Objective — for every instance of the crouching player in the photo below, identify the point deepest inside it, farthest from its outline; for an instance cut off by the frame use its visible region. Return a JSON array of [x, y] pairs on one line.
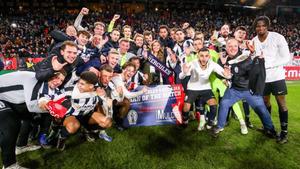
[[84, 100]]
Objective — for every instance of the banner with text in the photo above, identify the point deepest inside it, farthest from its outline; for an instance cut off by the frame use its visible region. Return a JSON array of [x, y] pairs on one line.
[[156, 106], [292, 72]]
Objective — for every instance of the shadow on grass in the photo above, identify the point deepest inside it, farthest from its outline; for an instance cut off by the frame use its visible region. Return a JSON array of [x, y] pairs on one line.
[[173, 139]]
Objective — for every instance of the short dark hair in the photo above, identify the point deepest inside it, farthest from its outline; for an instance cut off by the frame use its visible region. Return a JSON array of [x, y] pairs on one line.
[[173, 29], [179, 29], [198, 39], [147, 33], [243, 28], [265, 19], [67, 43], [107, 68], [56, 74], [164, 27], [115, 29], [128, 64], [204, 49], [85, 33], [134, 58], [89, 77]]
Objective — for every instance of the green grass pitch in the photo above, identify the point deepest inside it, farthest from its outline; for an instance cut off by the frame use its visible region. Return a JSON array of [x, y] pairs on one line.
[[166, 147]]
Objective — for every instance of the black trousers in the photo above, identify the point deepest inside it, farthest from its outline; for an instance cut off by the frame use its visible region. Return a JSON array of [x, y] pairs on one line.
[[10, 122]]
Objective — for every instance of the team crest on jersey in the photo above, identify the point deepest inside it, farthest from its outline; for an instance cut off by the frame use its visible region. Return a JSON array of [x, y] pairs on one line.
[[132, 117], [236, 70]]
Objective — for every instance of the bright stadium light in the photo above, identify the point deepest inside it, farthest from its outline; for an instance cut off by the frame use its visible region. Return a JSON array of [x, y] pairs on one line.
[[14, 25]]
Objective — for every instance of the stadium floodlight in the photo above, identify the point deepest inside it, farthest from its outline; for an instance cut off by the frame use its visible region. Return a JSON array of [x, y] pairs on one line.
[[251, 7], [14, 25], [241, 6]]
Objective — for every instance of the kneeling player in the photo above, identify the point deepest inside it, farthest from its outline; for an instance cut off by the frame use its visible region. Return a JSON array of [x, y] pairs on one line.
[[84, 100]]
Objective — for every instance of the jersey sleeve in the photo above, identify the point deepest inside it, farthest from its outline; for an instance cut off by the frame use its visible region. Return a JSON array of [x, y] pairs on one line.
[[284, 52], [218, 69]]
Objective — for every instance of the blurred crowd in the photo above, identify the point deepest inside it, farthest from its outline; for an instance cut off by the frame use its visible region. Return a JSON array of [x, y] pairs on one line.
[[26, 34]]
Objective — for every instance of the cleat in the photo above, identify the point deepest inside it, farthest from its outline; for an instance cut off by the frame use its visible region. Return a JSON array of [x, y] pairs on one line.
[[103, 135], [282, 138], [244, 129], [23, 149]]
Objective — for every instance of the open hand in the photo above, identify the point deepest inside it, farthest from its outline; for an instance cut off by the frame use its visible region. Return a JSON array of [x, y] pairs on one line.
[[56, 65]]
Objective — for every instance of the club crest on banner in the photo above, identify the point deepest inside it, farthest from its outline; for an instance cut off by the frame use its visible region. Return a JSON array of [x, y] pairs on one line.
[[132, 117], [161, 105]]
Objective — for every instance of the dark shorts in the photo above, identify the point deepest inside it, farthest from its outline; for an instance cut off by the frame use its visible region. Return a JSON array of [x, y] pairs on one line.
[[276, 88], [193, 95], [83, 120]]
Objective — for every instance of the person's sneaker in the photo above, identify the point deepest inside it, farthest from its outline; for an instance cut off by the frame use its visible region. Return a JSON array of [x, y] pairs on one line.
[[14, 166], [282, 138], [270, 133], [201, 126], [244, 129], [217, 130], [29, 147], [249, 125], [103, 135], [215, 122], [61, 143], [202, 122], [43, 139], [209, 127], [88, 135], [261, 129]]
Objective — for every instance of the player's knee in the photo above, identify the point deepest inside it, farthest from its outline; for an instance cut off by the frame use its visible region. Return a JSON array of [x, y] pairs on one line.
[[225, 103], [212, 102], [106, 123], [72, 127]]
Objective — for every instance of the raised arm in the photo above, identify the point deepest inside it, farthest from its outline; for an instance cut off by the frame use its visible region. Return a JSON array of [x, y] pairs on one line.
[[112, 23], [77, 23]]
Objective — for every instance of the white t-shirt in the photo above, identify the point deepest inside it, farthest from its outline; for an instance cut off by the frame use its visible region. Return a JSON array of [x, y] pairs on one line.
[[199, 79], [17, 88], [276, 53], [118, 81]]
